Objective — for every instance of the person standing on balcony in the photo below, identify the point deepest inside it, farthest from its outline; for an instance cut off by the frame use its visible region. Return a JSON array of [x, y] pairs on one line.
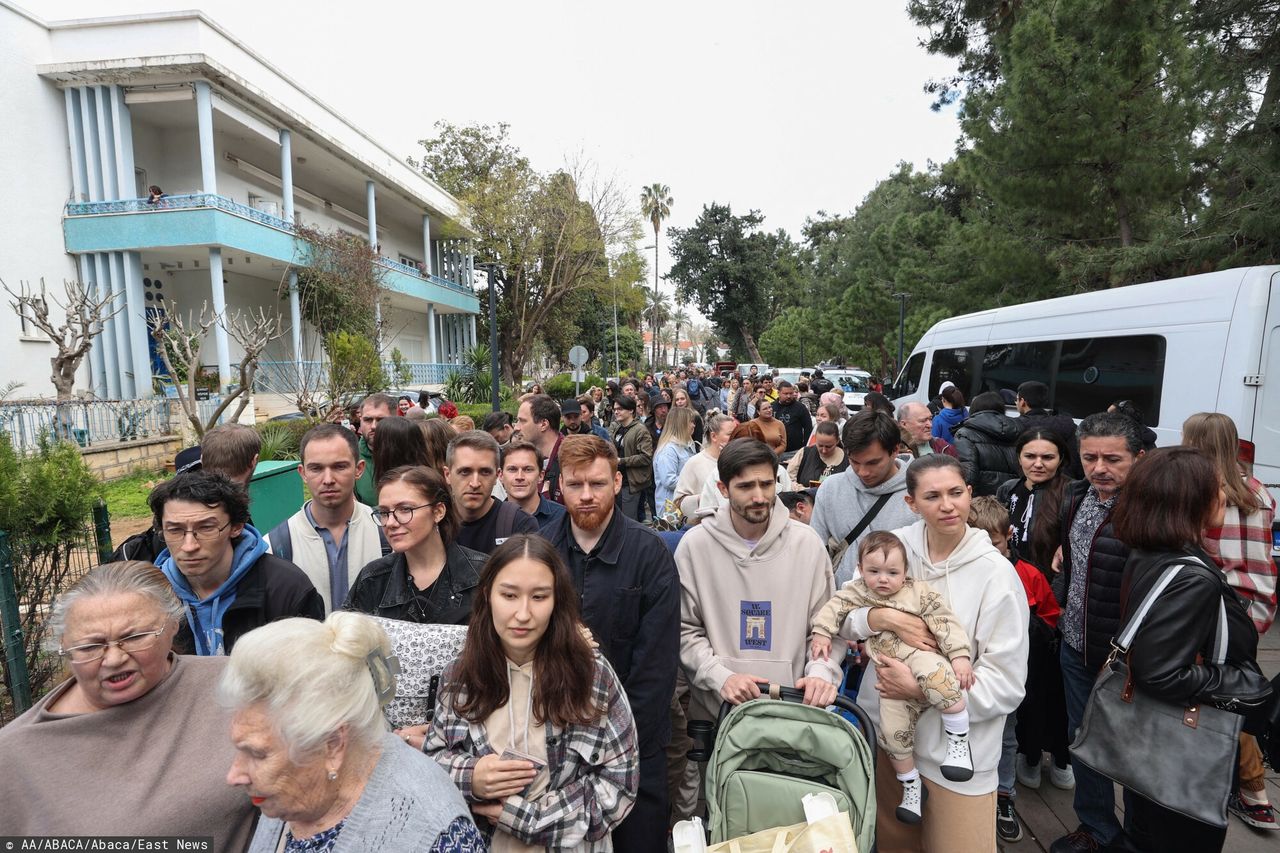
[[373, 409], [332, 532], [154, 194], [538, 422]]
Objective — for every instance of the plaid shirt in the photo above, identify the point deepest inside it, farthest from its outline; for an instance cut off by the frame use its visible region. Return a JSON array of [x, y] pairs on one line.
[[1242, 549], [595, 770]]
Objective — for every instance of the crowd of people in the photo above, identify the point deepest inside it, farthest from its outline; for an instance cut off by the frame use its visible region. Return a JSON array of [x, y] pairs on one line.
[[624, 562]]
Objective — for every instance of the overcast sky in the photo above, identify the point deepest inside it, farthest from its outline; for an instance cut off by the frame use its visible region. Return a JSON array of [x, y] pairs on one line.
[[790, 109]]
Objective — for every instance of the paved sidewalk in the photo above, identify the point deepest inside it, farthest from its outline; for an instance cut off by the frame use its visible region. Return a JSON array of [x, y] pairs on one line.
[[1047, 815]]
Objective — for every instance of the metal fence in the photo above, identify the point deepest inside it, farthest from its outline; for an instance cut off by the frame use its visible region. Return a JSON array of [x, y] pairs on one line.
[[85, 422], [35, 568], [281, 377]]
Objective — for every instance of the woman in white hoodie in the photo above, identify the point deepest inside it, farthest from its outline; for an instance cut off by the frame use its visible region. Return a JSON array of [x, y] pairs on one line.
[[987, 598]]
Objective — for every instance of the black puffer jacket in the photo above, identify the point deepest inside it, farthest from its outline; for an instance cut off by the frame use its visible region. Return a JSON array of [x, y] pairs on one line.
[[984, 442], [1102, 587], [1181, 625]]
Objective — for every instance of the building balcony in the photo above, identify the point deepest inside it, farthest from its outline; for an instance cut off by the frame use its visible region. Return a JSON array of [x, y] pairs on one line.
[[204, 219]]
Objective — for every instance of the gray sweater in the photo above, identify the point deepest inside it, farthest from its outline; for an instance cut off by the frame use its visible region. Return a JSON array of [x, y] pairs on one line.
[[842, 502], [408, 801]]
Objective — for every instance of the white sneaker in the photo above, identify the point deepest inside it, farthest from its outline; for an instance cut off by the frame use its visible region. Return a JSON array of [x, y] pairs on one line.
[[958, 765], [911, 809], [1062, 777], [1028, 773]]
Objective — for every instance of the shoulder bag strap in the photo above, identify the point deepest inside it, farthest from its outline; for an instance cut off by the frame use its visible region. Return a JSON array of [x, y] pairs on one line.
[[1125, 640], [867, 519]]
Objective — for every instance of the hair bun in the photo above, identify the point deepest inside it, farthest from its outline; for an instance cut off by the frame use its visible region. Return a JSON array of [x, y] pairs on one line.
[[355, 634]]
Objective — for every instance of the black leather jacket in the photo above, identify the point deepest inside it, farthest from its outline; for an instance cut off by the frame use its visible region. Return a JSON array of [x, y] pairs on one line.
[[383, 587], [1181, 625]]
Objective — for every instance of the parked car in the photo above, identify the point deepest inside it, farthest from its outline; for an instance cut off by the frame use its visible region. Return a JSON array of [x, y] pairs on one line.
[[854, 384]]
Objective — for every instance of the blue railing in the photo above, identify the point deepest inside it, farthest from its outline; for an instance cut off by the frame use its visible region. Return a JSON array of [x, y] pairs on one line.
[[88, 423], [210, 201], [281, 377], [189, 201]]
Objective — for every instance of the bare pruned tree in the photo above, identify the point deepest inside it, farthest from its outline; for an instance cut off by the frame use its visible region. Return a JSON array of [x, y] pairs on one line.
[[181, 344], [85, 311]]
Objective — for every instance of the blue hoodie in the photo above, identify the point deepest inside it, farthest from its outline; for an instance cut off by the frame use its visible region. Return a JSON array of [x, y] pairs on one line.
[[204, 616], [946, 420]]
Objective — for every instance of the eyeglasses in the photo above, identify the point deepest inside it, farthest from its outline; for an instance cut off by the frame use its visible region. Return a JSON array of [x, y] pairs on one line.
[[203, 532], [90, 652], [403, 514]]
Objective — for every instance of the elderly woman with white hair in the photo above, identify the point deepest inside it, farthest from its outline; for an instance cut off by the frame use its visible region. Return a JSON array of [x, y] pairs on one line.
[[313, 751], [131, 744]]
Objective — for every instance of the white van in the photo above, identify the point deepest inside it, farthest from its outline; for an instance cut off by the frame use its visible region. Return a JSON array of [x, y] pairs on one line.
[[1205, 343]]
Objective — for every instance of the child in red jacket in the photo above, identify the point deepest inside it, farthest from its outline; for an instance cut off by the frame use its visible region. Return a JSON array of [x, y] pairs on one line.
[[1040, 724]]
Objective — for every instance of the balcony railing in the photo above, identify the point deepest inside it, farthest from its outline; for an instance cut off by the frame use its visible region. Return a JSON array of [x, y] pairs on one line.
[[281, 377], [88, 423], [189, 201], [210, 201]]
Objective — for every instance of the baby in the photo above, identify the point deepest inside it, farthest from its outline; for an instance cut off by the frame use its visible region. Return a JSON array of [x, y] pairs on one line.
[[882, 562]]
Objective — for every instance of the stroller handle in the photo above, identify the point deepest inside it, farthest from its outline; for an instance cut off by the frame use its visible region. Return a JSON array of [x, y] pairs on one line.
[[785, 694]]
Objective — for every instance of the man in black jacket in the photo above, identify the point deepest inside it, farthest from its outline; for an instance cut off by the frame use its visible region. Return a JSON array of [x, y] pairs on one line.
[[631, 602], [794, 415], [219, 567], [1091, 562]]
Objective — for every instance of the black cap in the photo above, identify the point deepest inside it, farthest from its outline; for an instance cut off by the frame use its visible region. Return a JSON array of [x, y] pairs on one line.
[[656, 399], [188, 459], [570, 407]]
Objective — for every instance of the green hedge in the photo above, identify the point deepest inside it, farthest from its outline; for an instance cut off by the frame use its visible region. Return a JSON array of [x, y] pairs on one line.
[[561, 385], [477, 411]]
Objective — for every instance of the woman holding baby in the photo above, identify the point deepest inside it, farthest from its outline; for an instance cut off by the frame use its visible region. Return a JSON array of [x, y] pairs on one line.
[[984, 599]]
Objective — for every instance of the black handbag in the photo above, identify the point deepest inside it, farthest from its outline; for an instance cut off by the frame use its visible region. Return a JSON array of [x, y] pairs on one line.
[[1179, 756]]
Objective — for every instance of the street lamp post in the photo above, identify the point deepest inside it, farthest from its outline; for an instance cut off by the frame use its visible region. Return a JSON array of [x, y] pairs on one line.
[[654, 318], [492, 274], [902, 322], [617, 369]]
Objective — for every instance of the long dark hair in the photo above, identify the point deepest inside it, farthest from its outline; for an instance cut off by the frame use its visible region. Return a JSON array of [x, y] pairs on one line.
[[563, 665], [399, 442], [1046, 525]]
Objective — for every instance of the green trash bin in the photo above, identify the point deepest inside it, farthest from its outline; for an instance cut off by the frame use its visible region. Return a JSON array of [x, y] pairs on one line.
[[275, 493]]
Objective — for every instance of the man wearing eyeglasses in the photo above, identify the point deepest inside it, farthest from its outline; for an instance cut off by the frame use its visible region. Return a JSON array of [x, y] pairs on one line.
[[219, 567]]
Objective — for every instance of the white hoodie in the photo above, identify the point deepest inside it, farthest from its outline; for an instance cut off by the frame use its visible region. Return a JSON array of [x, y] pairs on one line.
[[988, 599], [748, 609]]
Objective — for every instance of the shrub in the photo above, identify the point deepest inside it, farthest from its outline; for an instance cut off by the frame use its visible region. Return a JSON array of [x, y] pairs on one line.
[[281, 439], [46, 505], [561, 385]]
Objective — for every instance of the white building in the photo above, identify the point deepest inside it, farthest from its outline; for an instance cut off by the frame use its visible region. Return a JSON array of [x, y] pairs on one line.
[[100, 109]]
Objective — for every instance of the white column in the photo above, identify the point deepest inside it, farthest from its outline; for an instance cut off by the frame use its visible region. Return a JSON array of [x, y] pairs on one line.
[[432, 355], [122, 125], [426, 243], [111, 362], [295, 318], [135, 316], [286, 174], [220, 328], [97, 363], [208, 166], [75, 139], [115, 262], [106, 142], [92, 161], [472, 324]]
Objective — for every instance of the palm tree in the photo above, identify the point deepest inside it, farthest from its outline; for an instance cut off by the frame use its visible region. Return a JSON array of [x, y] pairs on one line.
[[681, 318], [655, 204], [657, 311]]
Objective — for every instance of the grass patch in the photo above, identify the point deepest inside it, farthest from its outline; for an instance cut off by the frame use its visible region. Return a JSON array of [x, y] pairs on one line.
[[127, 497]]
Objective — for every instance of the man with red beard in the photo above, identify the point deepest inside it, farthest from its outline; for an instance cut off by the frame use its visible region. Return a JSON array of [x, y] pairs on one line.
[[631, 602]]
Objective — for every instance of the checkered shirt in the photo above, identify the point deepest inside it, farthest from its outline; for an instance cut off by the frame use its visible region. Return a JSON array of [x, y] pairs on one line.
[[1242, 549], [595, 770]]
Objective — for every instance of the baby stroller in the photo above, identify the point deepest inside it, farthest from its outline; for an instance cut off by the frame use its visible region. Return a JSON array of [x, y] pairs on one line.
[[769, 754]]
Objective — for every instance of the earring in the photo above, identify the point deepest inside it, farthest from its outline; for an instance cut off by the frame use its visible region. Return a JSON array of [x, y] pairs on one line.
[[333, 775]]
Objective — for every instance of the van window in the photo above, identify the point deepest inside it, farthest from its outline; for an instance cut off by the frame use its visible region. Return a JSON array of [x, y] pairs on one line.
[[956, 366], [909, 379], [1006, 366], [1093, 373]]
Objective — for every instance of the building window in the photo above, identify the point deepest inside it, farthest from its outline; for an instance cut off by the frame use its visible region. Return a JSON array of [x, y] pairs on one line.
[[27, 318]]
